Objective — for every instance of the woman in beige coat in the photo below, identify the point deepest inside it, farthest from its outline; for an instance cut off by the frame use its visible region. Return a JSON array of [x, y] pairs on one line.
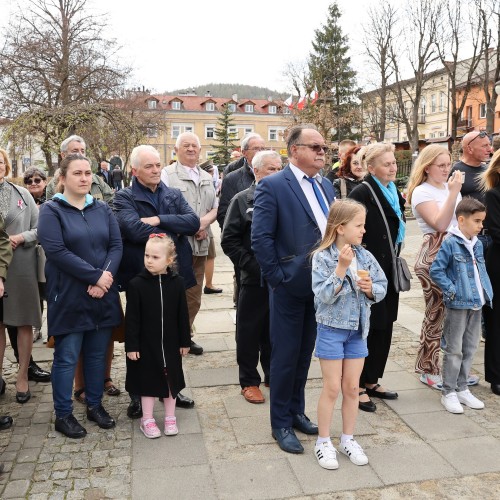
[[21, 304]]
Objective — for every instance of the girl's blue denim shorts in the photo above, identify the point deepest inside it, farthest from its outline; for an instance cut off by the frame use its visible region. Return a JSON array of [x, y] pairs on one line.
[[337, 343]]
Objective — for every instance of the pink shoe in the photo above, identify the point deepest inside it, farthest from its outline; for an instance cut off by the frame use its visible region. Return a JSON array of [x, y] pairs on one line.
[[171, 426], [149, 428]]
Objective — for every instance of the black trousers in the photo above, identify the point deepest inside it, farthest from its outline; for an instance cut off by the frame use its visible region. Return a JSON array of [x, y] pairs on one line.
[[252, 334], [379, 345]]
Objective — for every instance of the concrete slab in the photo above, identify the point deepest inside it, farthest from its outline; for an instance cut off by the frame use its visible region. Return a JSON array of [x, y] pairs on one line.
[[255, 479], [237, 407], [416, 401], [211, 377], [471, 455], [392, 366], [397, 464], [169, 451], [174, 482], [212, 344], [316, 480], [401, 381], [410, 318], [213, 322], [442, 426], [187, 420], [314, 370]]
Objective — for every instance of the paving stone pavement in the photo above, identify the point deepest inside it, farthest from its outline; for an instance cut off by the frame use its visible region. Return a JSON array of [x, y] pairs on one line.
[[224, 449]]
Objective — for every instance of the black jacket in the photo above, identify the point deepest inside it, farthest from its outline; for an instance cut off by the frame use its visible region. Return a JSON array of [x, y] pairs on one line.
[[377, 242], [234, 165], [350, 184], [149, 298], [109, 180], [234, 183], [236, 237]]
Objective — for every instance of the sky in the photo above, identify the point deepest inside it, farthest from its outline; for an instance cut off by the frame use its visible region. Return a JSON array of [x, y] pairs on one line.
[[176, 45]]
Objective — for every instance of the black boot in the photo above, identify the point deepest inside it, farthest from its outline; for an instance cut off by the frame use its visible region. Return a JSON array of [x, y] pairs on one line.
[[100, 416], [134, 409]]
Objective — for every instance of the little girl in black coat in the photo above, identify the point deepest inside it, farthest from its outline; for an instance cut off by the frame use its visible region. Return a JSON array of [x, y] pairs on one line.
[[157, 334]]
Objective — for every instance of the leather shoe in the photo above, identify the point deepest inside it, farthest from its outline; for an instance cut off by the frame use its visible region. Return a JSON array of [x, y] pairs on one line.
[[368, 406], [100, 416], [182, 401], [253, 395], [303, 424], [5, 422], [373, 393], [495, 389], [287, 440], [70, 427], [36, 374], [211, 290], [23, 397], [195, 348], [134, 409]]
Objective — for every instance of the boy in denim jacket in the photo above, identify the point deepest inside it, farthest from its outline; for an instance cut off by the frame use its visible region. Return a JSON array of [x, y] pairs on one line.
[[459, 270]]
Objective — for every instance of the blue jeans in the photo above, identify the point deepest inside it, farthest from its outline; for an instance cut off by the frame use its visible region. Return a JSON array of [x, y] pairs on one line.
[[93, 345], [462, 328]]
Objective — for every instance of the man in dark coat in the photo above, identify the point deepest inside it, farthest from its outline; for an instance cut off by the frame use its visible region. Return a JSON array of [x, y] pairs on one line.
[[290, 213], [144, 208], [252, 318], [105, 174]]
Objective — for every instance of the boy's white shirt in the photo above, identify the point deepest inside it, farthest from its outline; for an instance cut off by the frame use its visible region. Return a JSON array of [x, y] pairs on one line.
[[469, 244]]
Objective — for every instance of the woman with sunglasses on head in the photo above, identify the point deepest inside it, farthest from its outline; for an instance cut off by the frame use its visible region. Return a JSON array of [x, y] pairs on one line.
[[21, 304], [83, 246], [350, 173], [433, 200], [380, 162]]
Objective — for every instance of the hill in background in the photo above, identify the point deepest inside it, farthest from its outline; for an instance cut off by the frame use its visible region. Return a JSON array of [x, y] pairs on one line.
[[228, 89]]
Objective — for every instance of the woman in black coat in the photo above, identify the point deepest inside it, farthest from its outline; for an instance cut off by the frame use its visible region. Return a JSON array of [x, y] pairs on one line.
[[157, 334], [381, 164], [492, 316], [351, 173]]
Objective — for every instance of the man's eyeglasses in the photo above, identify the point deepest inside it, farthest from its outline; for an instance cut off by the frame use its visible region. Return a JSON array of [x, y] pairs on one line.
[[157, 235], [317, 148], [482, 134], [36, 181]]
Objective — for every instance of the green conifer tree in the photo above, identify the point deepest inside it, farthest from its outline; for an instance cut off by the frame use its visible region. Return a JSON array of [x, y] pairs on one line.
[[225, 141]]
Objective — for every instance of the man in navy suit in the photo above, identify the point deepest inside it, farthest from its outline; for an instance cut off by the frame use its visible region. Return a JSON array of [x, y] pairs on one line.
[[290, 213]]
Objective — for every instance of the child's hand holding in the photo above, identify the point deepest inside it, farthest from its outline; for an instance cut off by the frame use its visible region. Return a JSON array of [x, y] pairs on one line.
[[184, 351], [345, 256], [134, 356], [365, 285]]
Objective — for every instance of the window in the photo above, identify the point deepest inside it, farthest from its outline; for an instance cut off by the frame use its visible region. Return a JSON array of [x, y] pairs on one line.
[[210, 106], [272, 110], [433, 135], [179, 128], [441, 101], [248, 108], [482, 110], [151, 104], [433, 103], [248, 130], [232, 107], [176, 105], [152, 131], [210, 154], [233, 132], [273, 134], [209, 131], [441, 134]]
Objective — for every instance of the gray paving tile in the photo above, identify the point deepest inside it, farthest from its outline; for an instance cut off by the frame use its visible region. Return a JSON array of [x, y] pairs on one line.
[[237, 406], [16, 489], [410, 318], [315, 480], [255, 479], [211, 377], [400, 381], [213, 344], [194, 481], [442, 426], [213, 321], [416, 401], [169, 451], [418, 462], [471, 455], [187, 419]]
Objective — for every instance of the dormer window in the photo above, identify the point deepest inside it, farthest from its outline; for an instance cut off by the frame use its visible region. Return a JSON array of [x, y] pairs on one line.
[[176, 105], [151, 104], [248, 108], [272, 109], [232, 107], [210, 106]]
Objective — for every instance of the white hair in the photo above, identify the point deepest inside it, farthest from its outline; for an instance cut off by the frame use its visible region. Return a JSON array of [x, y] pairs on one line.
[[247, 139], [259, 159], [71, 138], [137, 152], [181, 137]]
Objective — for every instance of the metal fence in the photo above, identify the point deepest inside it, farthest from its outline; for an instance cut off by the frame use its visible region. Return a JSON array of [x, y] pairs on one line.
[[404, 168]]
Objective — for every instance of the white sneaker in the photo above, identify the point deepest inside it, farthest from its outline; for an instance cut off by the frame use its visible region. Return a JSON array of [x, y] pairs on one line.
[[468, 399], [434, 381], [472, 380], [355, 453], [451, 403], [326, 455]]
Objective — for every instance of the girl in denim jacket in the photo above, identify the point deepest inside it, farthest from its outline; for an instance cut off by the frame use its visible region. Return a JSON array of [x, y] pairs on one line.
[[346, 280]]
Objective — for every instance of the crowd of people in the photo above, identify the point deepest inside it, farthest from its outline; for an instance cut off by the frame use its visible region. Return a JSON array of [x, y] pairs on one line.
[[314, 265]]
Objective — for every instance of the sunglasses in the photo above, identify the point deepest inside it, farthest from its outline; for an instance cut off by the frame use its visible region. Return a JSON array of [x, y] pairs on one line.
[[316, 147], [157, 235], [482, 134], [29, 182]]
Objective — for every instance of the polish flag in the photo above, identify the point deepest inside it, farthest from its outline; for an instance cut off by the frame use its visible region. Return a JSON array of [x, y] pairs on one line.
[[289, 102], [302, 102], [313, 96]]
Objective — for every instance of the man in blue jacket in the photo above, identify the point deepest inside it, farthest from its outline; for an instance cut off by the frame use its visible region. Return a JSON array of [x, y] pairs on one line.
[[146, 207]]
